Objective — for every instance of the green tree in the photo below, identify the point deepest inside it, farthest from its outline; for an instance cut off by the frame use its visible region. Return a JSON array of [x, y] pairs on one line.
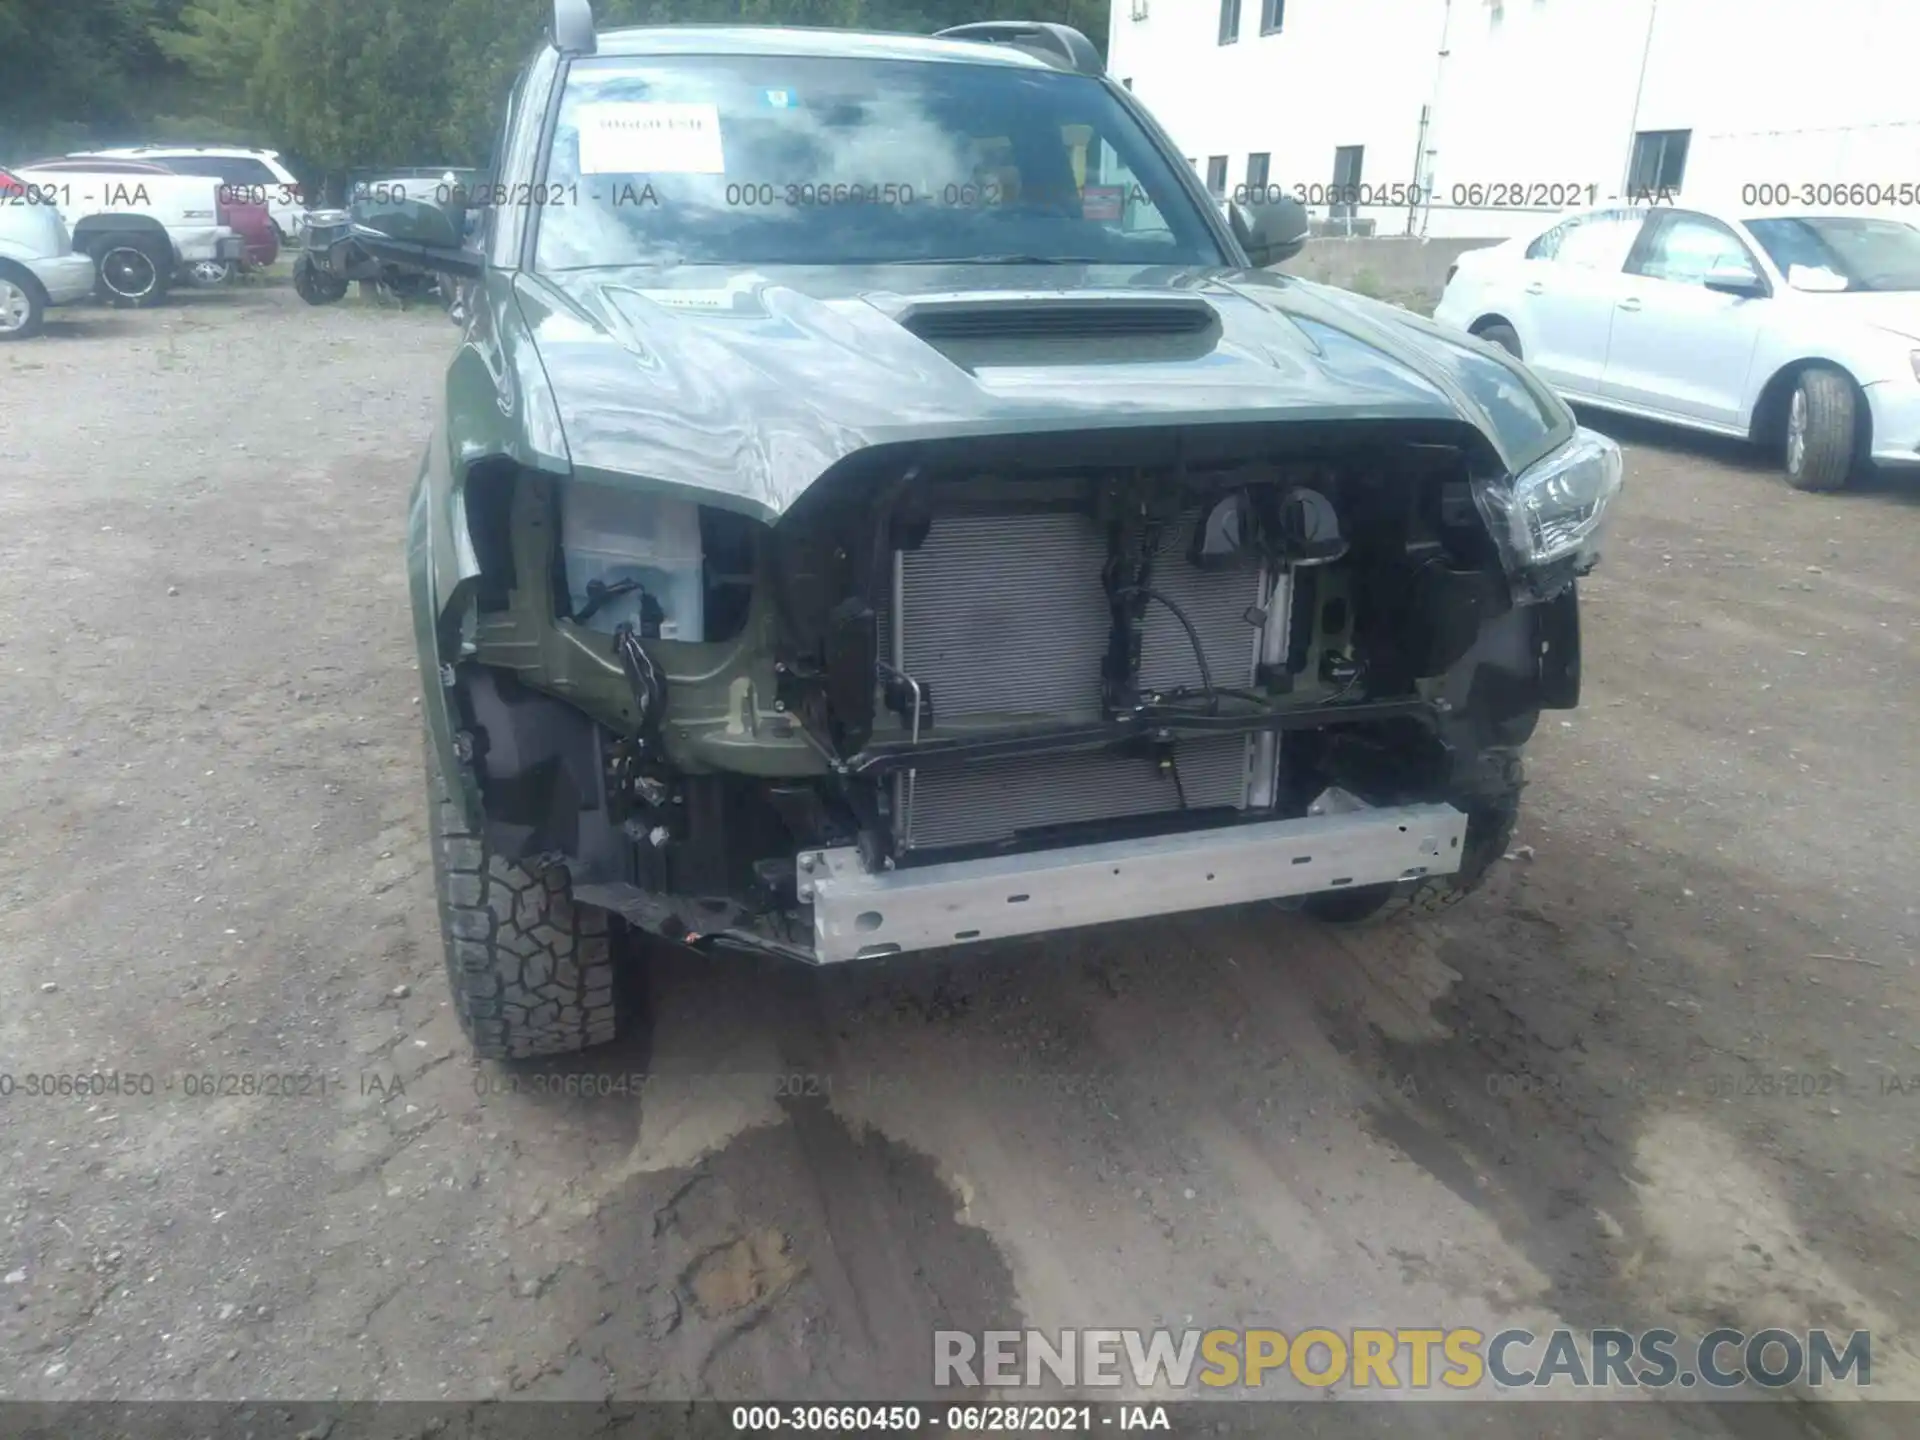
[[73, 63]]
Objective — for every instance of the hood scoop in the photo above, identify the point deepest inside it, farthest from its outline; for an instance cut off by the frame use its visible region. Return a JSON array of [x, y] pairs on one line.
[[1062, 317]]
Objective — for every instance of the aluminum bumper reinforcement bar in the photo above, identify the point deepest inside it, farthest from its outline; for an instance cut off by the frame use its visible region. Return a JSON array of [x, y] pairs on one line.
[[858, 915]]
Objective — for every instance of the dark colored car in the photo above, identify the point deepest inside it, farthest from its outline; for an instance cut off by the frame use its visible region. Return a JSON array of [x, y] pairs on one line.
[[431, 205], [882, 503]]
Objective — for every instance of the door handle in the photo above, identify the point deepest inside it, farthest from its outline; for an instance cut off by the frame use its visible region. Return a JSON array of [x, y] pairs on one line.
[[1536, 288], [1633, 304]]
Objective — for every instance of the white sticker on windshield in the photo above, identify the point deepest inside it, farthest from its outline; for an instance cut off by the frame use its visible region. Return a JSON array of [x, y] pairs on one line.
[[638, 137]]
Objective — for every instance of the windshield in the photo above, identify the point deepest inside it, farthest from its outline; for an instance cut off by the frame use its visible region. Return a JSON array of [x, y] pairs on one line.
[[1864, 254], [767, 159]]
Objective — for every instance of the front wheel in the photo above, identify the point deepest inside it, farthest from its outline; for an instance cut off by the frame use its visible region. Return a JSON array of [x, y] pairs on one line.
[[1822, 425], [1491, 818], [315, 287], [531, 972]]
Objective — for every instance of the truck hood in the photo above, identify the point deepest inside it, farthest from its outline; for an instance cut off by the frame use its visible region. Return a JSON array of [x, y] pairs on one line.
[[747, 386]]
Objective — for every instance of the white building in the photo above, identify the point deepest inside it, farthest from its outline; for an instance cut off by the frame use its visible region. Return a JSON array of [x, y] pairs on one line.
[[1494, 110]]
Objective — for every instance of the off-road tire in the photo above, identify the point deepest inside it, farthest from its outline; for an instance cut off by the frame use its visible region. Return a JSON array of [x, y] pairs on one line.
[[157, 254], [531, 973], [1826, 460], [315, 288], [1502, 335], [1490, 824]]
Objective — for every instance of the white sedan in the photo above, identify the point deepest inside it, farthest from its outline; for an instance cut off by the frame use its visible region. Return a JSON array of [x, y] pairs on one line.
[[1797, 331]]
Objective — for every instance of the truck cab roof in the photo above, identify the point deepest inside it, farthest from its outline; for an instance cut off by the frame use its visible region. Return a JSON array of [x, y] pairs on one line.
[[648, 40]]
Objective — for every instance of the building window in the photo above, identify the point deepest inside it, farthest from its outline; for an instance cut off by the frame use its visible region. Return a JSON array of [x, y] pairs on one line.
[[1229, 21], [1659, 161], [1217, 174], [1272, 14], [1257, 175]]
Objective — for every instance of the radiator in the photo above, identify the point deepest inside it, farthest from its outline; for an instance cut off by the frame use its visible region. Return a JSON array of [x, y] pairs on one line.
[[1004, 616]]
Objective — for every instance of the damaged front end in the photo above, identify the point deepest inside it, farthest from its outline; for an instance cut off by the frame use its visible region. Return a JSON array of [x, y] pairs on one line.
[[972, 689]]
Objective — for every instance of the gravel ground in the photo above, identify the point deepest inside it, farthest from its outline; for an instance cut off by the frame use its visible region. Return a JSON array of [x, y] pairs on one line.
[[1664, 1070]]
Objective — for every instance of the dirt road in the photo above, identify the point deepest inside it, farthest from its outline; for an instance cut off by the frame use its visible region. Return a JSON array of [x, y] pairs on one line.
[[1665, 1071]]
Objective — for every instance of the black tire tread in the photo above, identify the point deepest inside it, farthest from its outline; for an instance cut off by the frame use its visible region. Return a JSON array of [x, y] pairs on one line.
[[1831, 428], [1502, 335], [162, 269], [531, 973], [315, 288], [1490, 828]]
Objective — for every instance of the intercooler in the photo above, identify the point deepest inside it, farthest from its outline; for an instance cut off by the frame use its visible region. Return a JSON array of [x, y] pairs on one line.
[[1005, 616]]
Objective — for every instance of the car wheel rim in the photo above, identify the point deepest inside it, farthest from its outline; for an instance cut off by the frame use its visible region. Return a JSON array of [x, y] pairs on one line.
[[1797, 432], [129, 273], [15, 308], [209, 272]]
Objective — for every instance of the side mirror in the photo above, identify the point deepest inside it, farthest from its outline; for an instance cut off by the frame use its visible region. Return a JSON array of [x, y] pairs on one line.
[[424, 221], [421, 233], [447, 259], [1736, 280], [471, 190], [1270, 231]]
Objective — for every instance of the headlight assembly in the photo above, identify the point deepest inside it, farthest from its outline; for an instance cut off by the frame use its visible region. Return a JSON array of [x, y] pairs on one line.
[[1549, 521]]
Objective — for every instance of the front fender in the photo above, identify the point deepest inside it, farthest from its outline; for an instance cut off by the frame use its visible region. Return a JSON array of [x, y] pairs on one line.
[[436, 697], [496, 409]]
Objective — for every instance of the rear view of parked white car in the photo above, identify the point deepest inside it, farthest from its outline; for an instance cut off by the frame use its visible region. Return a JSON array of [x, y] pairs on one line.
[[38, 268], [1800, 332]]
